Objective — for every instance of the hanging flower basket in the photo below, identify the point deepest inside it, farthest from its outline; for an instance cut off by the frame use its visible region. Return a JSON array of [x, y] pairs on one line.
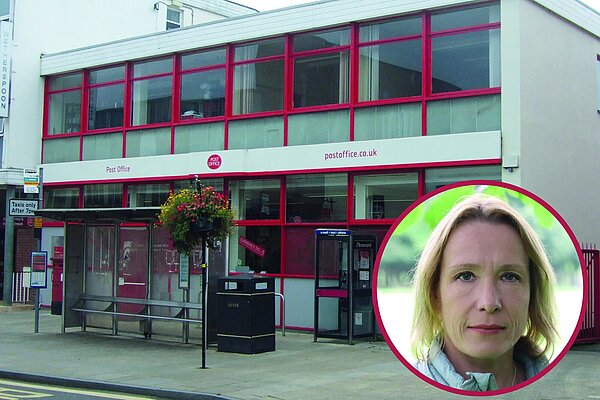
[[193, 215]]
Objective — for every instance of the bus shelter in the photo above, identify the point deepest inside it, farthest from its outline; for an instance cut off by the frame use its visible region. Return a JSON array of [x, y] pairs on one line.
[[121, 274]]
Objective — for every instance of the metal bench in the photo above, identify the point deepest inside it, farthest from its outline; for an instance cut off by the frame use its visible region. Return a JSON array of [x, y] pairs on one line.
[[144, 314]]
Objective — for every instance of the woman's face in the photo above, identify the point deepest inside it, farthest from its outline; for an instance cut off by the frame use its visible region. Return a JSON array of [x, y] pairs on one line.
[[483, 293]]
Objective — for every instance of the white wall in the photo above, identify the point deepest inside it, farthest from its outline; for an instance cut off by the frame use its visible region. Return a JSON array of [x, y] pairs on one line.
[[52, 26], [549, 113]]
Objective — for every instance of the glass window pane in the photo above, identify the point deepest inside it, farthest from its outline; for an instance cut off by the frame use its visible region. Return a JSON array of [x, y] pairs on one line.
[[384, 195], [465, 17], [61, 150], [388, 122], [321, 127], [466, 61], [299, 246], [4, 7], [321, 79], [255, 248], [199, 137], [316, 198], [267, 48], [61, 198], [255, 199], [203, 94], [321, 40], [255, 133], [390, 70], [390, 29], [438, 177], [99, 270], [147, 195], [258, 87], [66, 81], [151, 101], [101, 147], [148, 142], [467, 114], [153, 67], [107, 74], [102, 196], [106, 106], [203, 59], [216, 183], [65, 112]]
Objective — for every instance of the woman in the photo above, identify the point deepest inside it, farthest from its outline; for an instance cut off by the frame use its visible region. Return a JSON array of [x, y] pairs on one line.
[[485, 314]]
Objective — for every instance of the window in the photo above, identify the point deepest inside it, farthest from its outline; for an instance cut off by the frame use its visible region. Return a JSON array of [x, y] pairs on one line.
[[106, 98], [322, 68], [147, 195], [61, 198], [438, 177], [173, 18], [255, 248], [148, 142], [203, 85], [216, 183], [390, 69], [151, 98], [463, 59], [319, 127], [258, 77], [65, 104], [388, 122], [102, 147], [255, 199], [199, 137], [102, 196], [4, 9], [316, 198], [61, 150], [461, 115], [384, 195], [256, 133]]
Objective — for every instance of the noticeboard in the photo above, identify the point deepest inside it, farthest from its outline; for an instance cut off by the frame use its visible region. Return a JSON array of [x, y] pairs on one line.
[[184, 271], [39, 269]]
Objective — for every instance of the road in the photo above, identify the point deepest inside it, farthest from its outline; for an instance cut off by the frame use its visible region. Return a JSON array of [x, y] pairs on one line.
[[12, 390]]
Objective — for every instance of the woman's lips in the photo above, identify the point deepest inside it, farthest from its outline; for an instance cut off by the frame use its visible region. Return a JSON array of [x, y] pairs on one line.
[[486, 329]]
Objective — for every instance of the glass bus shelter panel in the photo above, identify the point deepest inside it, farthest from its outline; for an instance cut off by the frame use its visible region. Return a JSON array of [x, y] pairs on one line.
[[73, 274], [99, 271], [132, 274]]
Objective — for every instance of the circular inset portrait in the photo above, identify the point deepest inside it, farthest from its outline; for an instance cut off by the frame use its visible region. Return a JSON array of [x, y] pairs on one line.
[[479, 288]]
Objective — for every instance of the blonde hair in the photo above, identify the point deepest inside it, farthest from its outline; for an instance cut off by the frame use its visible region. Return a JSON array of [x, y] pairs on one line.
[[541, 334]]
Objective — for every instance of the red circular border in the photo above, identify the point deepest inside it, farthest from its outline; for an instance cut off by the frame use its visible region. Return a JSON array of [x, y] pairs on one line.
[[418, 202]]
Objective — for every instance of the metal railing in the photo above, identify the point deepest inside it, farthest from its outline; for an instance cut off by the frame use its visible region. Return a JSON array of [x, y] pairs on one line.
[[20, 294]]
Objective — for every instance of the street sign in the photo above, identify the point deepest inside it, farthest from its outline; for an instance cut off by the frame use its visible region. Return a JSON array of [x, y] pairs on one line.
[[31, 181], [22, 208]]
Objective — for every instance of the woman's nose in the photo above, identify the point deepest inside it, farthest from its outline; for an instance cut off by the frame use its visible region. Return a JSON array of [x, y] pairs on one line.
[[489, 298]]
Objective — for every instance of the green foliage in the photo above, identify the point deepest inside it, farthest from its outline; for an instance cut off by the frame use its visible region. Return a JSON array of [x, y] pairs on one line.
[[184, 211]]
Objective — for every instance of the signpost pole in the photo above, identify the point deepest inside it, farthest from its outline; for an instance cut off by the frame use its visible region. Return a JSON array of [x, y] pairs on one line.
[[37, 310]]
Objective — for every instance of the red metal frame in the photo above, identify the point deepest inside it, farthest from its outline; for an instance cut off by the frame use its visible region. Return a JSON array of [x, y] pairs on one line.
[[590, 327]]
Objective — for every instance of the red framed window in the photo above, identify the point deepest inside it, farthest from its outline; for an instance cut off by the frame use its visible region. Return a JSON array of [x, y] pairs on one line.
[[321, 68], [106, 98], [64, 104], [202, 85], [151, 92], [258, 76]]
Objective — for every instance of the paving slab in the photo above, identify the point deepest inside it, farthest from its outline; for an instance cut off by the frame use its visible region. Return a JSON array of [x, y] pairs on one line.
[[298, 369]]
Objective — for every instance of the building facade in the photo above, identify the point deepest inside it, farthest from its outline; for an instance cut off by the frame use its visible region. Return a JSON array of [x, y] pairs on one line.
[[335, 114], [32, 28]]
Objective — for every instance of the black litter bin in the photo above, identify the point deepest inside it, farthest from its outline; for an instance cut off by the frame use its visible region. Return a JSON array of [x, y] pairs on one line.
[[246, 314]]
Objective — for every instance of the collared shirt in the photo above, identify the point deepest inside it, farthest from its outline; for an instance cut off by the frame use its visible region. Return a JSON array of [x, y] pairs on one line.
[[439, 368]]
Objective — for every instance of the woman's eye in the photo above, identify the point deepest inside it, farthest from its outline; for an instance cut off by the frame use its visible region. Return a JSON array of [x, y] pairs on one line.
[[465, 276], [510, 277]]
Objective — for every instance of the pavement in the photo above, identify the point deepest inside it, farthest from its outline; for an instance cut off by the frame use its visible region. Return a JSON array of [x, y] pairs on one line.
[[299, 368]]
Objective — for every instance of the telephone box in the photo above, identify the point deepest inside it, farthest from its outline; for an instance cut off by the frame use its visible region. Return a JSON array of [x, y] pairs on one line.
[[343, 271]]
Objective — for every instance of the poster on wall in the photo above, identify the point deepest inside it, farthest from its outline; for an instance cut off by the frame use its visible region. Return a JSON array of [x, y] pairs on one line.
[[39, 269]]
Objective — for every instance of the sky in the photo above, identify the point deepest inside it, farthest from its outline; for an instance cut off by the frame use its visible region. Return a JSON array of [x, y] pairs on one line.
[[264, 5]]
